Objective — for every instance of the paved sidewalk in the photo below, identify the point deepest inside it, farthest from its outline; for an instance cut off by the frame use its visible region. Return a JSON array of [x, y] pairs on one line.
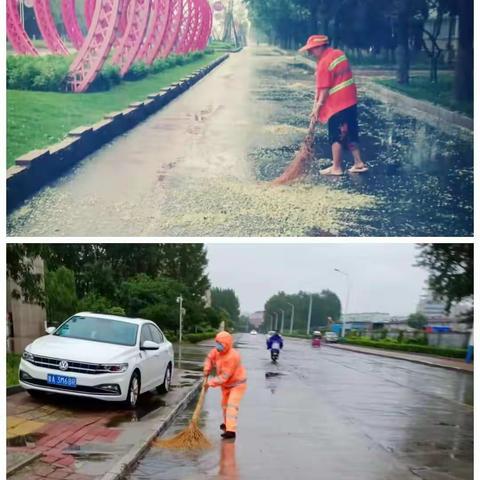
[[71, 438], [451, 363]]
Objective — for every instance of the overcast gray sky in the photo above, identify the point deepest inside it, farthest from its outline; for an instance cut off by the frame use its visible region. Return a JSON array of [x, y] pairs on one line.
[[382, 276]]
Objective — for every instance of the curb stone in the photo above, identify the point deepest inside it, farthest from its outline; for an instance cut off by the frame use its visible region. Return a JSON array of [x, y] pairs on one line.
[[23, 463], [12, 390], [36, 169], [122, 466], [413, 360]]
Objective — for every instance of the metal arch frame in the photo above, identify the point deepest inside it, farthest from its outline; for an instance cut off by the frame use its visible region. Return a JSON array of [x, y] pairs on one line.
[[16, 34], [70, 20], [201, 15], [194, 19], [155, 31], [89, 10], [96, 47], [127, 50], [184, 26], [207, 26], [47, 27], [173, 25]]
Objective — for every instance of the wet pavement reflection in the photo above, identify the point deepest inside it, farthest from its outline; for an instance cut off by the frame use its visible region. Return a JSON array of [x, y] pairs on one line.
[[201, 166], [327, 413]]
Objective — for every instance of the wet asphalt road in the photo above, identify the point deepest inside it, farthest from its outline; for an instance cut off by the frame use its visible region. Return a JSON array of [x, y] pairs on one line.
[[332, 414], [201, 167]]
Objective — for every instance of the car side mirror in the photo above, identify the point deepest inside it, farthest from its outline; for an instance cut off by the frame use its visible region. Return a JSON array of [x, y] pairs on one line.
[[149, 345], [50, 330]]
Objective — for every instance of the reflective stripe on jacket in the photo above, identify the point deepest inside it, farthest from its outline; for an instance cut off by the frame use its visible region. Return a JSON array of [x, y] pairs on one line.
[[334, 73]]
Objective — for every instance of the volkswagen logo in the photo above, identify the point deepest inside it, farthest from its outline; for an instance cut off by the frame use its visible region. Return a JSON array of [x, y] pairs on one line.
[[63, 365]]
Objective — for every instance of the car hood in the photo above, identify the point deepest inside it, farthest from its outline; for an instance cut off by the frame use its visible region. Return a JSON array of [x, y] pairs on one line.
[[79, 350]]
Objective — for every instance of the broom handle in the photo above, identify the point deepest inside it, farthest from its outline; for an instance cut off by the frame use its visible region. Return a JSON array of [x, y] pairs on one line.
[[201, 398]]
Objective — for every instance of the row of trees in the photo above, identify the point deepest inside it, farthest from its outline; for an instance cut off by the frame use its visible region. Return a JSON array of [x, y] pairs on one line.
[[139, 280], [396, 28], [326, 307]]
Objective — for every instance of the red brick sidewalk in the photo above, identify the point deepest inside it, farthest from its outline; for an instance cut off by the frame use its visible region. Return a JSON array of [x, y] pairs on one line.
[[431, 360], [51, 431]]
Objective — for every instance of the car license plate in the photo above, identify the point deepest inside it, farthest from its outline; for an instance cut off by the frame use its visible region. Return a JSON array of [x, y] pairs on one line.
[[62, 381]]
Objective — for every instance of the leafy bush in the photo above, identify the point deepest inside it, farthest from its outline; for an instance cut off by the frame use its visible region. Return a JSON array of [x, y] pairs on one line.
[[137, 71], [409, 347], [13, 361], [198, 337], [44, 73], [108, 77]]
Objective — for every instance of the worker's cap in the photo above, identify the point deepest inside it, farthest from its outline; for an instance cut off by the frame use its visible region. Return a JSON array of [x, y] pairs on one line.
[[315, 41]]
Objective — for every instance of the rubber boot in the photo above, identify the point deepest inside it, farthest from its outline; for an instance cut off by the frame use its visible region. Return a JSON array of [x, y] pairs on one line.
[[228, 435], [223, 427]]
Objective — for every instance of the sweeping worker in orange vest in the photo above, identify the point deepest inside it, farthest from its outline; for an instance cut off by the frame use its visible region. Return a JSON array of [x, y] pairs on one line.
[[230, 376], [336, 103]]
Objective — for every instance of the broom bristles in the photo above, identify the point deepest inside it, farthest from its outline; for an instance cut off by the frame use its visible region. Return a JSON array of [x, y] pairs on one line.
[[189, 438], [301, 161]]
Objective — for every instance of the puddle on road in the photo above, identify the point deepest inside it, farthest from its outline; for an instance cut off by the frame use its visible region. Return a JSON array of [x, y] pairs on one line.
[[29, 440]]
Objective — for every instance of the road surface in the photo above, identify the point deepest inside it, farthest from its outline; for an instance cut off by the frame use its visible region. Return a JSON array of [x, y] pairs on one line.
[[327, 413], [202, 166]]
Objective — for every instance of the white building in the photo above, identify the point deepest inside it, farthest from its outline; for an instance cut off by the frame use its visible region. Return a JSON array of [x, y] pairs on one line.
[[430, 306]]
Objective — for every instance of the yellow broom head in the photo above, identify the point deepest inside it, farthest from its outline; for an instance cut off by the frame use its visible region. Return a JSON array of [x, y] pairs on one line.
[[190, 438]]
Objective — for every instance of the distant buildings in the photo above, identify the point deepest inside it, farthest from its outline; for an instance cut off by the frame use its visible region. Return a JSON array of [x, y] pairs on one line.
[[429, 306], [256, 318]]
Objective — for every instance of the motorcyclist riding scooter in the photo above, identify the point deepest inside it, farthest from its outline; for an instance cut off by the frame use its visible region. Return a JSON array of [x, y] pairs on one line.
[[275, 344]]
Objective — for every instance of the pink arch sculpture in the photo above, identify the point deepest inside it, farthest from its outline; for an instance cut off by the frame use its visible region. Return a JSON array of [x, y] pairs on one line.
[[16, 34], [156, 31], [69, 17], [201, 17], [173, 25], [194, 19], [89, 9], [207, 26], [97, 45], [127, 50], [187, 8], [46, 24]]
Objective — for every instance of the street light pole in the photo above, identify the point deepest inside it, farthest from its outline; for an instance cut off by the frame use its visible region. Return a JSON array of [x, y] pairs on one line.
[[309, 315], [276, 320], [291, 317], [283, 320], [180, 317], [347, 278]]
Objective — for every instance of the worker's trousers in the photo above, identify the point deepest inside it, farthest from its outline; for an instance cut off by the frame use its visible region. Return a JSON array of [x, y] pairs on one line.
[[230, 405]]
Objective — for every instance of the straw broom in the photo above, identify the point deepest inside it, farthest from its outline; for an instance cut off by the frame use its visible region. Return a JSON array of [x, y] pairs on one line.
[[190, 438], [302, 159]]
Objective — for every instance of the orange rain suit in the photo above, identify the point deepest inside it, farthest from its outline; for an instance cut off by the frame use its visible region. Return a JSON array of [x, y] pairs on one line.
[[231, 376]]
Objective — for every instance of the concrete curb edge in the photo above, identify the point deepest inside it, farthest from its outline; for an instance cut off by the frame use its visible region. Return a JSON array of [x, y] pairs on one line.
[[420, 361], [12, 390], [37, 168], [122, 466]]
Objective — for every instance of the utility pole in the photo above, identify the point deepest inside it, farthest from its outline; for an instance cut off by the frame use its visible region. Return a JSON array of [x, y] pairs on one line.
[[347, 278], [283, 320], [276, 320], [291, 317], [309, 315], [180, 315], [271, 322]]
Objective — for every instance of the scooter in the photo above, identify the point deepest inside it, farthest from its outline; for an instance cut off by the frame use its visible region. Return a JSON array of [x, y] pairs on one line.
[[274, 354]]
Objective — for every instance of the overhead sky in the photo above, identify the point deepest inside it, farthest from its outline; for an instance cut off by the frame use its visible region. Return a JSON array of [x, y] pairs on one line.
[[382, 277]]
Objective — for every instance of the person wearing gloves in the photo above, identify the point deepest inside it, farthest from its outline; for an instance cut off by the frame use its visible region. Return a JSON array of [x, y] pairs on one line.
[[231, 377]]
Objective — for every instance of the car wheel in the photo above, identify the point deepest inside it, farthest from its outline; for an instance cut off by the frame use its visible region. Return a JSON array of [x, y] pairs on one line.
[[133, 391], [36, 394], [165, 386]]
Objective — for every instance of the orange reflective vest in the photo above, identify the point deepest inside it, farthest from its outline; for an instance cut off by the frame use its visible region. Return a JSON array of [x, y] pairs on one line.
[[334, 73]]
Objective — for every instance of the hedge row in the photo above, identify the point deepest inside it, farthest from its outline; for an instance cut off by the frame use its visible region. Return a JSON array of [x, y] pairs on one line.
[[48, 72], [198, 337], [406, 347]]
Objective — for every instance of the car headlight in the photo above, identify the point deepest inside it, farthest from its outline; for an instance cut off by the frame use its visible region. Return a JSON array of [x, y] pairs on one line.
[[27, 356], [114, 367]]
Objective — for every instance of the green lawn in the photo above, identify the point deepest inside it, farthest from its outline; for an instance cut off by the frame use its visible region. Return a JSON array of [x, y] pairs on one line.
[[440, 93], [40, 119], [13, 360]]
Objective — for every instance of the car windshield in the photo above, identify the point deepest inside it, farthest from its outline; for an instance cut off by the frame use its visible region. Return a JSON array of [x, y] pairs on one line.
[[102, 330]]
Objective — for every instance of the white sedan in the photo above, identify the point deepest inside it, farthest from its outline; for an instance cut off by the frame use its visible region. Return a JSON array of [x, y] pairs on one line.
[[100, 356]]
